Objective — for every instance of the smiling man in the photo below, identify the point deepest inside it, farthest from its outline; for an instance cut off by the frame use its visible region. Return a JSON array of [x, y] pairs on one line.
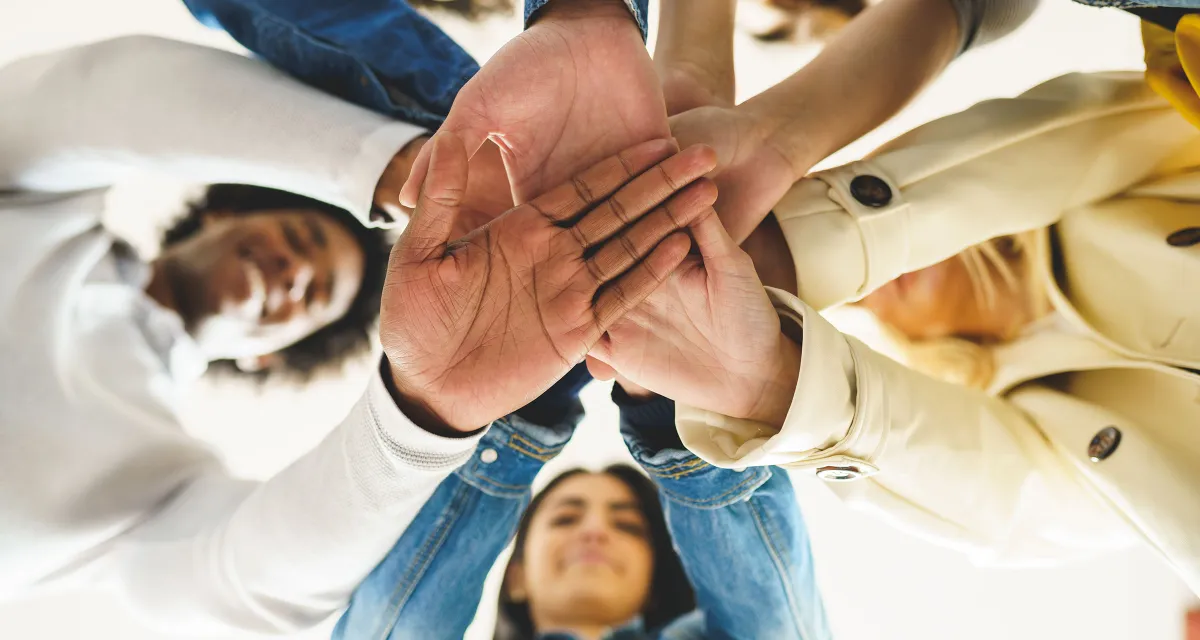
[[269, 280]]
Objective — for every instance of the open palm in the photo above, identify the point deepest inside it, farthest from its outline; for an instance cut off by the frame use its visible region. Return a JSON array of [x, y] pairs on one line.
[[476, 328]]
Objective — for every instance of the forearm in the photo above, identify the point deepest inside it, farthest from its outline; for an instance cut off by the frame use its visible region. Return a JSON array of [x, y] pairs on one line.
[[380, 54], [285, 554], [872, 68], [693, 53], [773, 593], [720, 518], [459, 533], [86, 117], [1001, 167]]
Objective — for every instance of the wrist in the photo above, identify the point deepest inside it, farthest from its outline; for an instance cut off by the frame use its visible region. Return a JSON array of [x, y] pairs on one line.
[[788, 130], [776, 400], [417, 410]]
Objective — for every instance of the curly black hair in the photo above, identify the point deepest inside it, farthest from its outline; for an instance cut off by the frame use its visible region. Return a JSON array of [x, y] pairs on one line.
[[330, 346], [470, 9]]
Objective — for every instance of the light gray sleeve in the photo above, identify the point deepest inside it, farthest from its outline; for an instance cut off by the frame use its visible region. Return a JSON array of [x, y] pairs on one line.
[[983, 21]]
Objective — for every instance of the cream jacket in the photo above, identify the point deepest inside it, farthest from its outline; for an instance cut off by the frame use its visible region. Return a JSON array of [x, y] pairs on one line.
[[1030, 470]]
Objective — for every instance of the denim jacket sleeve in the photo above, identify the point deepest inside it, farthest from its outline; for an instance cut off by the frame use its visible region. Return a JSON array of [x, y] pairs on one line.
[[639, 8], [430, 583], [379, 54], [739, 533]]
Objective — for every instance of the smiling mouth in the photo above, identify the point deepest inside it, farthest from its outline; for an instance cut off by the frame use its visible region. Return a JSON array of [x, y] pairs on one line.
[[255, 304]]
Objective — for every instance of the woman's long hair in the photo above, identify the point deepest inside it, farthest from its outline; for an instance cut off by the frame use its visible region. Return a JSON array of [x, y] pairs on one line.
[[968, 362], [671, 593]]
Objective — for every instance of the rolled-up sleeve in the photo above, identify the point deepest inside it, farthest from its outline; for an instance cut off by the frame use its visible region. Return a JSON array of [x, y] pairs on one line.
[[640, 9]]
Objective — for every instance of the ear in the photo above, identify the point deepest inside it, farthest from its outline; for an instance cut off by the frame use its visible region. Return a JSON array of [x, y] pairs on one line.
[[514, 582], [254, 364]]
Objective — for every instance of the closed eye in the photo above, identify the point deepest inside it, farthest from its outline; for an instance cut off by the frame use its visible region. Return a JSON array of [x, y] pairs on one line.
[[293, 239]]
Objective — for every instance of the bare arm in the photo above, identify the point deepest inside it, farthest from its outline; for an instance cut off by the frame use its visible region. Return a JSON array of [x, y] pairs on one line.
[[693, 53], [869, 72]]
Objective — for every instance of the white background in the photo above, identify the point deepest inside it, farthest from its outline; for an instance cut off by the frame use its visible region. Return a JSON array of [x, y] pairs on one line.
[[878, 584]]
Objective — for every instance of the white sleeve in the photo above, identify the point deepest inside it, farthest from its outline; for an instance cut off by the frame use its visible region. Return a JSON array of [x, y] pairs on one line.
[[84, 117], [284, 555]]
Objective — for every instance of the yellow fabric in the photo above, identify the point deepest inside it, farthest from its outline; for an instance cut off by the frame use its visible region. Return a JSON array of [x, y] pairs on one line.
[[1173, 64]]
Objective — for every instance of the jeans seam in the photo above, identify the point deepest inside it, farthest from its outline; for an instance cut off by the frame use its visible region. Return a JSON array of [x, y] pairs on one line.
[[531, 448], [717, 501], [411, 580], [677, 470], [789, 589]]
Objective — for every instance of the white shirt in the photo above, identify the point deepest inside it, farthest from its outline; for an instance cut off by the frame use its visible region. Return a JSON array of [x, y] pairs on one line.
[[98, 481]]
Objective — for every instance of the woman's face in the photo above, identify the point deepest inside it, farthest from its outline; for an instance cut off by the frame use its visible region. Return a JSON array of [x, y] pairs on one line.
[[588, 558], [945, 300]]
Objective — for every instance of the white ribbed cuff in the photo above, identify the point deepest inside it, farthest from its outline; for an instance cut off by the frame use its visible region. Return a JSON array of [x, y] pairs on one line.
[[408, 443], [359, 179]]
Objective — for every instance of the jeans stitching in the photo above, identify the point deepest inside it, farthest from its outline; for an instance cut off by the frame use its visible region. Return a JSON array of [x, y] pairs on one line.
[[760, 515], [717, 500], [424, 556]]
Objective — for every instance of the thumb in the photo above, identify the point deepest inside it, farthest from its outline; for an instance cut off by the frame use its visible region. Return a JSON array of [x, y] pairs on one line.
[[469, 138], [441, 195], [599, 369]]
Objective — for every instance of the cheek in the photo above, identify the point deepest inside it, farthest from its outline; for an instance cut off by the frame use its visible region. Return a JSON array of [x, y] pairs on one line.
[[542, 557], [639, 564]]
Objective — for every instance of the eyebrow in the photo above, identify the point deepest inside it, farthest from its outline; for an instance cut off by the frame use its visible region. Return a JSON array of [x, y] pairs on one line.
[[579, 503], [315, 230]]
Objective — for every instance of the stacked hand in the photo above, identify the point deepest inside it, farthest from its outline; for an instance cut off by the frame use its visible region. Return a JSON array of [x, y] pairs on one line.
[[475, 327], [709, 337], [483, 313], [577, 86]]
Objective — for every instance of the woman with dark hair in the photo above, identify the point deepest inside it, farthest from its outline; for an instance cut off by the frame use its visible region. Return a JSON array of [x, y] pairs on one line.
[[581, 499], [618, 554]]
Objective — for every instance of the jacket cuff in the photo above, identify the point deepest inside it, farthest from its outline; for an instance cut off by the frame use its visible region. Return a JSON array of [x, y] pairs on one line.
[[820, 431], [560, 402], [847, 230], [640, 9], [360, 177], [408, 443]]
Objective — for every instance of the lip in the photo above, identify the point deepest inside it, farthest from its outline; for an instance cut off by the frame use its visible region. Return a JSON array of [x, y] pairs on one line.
[[590, 557], [255, 302]]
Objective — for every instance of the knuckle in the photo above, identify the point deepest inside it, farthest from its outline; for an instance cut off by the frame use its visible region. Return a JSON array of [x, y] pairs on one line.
[[595, 270], [670, 181], [582, 189], [619, 210]]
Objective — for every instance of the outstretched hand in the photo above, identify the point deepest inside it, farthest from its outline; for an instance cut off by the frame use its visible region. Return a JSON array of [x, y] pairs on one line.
[[577, 86], [476, 328], [709, 337]]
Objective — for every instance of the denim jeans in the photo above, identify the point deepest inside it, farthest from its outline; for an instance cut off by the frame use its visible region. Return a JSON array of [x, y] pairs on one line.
[[740, 535], [379, 54]]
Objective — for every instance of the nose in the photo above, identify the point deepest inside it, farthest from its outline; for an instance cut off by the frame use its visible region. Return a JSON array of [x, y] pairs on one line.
[[594, 528], [288, 276]]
